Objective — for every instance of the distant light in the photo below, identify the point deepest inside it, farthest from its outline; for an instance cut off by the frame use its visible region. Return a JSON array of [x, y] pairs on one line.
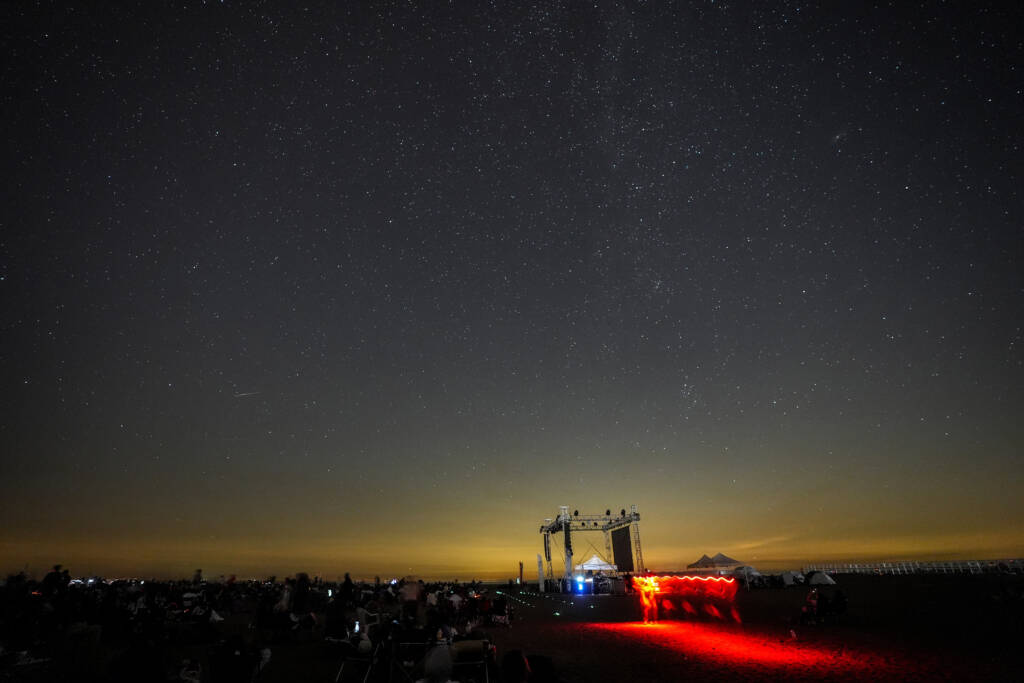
[[330, 592]]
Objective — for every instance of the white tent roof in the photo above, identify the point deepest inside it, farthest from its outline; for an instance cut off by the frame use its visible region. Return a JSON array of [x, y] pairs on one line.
[[747, 572], [595, 564], [821, 579]]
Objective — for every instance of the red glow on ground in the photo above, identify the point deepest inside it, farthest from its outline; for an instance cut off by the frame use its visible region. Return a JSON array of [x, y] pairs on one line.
[[728, 646]]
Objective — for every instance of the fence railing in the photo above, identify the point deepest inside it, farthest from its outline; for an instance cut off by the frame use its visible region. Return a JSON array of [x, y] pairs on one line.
[[1015, 566]]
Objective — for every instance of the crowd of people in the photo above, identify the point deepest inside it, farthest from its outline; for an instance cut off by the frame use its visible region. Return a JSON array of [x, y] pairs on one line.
[[228, 630]]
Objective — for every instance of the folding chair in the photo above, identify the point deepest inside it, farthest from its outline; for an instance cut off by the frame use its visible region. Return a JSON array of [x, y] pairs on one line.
[[472, 655], [407, 660], [501, 612], [352, 657]]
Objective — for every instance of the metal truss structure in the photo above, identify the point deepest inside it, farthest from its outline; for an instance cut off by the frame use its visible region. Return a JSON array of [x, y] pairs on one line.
[[607, 523]]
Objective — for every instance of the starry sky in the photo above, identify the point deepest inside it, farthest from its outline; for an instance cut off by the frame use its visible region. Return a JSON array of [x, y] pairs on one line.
[[376, 287]]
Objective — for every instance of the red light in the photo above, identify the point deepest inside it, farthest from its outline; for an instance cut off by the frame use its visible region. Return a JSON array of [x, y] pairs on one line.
[[719, 586], [725, 644], [690, 595]]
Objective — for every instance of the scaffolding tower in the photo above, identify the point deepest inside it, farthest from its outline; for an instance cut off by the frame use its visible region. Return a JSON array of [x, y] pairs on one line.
[[607, 523]]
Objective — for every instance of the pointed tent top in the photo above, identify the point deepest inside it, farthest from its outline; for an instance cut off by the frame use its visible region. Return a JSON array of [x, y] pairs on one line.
[[704, 561], [723, 559], [719, 560]]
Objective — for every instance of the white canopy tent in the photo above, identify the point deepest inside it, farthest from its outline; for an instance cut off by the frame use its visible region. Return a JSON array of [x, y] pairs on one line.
[[595, 564], [746, 573], [820, 579]]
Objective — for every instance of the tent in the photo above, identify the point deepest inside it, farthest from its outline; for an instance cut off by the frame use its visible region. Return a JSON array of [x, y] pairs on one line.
[[747, 574], [820, 579], [595, 564], [719, 560], [792, 578], [702, 563]]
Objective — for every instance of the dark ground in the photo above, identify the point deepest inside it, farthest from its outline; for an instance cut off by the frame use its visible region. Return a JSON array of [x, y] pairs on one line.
[[897, 628]]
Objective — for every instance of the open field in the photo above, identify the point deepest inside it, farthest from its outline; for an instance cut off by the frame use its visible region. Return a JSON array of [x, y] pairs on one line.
[[896, 628], [903, 628]]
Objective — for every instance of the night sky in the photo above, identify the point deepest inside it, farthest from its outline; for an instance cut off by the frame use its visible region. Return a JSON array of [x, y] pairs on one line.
[[376, 287]]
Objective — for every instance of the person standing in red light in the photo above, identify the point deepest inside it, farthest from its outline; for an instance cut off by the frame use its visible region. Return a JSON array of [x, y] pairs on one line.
[[649, 597], [809, 613]]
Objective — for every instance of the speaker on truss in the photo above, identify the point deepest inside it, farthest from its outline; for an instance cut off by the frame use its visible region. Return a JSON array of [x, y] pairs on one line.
[[622, 549], [547, 547]]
